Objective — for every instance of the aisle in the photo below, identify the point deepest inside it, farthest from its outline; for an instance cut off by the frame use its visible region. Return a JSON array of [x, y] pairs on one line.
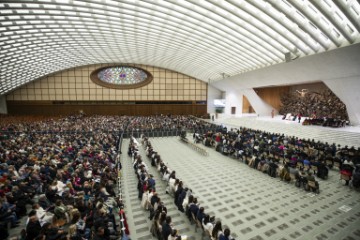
[[137, 217], [256, 206], [138, 221]]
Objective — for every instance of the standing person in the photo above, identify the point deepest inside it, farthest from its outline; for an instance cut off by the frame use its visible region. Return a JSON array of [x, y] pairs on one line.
[[272, 113], [299, 117], [177, 192]]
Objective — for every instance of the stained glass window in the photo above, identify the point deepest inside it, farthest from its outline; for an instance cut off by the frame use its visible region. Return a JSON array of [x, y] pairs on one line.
[[121, 77]]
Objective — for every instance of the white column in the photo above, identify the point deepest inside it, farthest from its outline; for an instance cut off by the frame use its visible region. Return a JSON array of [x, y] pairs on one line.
[[213, 93], [3, 106], [234, 99], [348, 90]]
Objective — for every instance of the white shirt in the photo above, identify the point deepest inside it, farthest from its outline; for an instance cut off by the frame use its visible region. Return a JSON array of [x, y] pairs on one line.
[[208, 227]]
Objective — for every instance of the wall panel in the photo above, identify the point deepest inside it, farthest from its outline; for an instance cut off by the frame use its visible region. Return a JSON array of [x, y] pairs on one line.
[[272, 95], [247, 108], [75, 83]]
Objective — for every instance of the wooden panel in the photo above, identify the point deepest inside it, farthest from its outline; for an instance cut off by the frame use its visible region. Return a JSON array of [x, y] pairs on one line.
[[142, 110], [247, 108], [272, 95]]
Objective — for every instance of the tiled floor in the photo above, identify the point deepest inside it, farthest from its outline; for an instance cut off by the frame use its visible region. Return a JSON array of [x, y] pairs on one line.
[[256, 206], [137, 217]]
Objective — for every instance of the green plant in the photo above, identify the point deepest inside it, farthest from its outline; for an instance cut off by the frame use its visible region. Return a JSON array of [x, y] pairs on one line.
[[219, 110]]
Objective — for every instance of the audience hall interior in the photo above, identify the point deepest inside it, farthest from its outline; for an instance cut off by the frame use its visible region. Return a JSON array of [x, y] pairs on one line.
[[179, 120], [59, 174]]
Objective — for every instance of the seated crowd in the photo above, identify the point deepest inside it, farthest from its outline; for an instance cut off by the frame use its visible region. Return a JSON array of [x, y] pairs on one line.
[[60, 168], [62, 183], [315, 120], [326, 122], [277, 154], [184, 200], [165, 123], [67, 159]]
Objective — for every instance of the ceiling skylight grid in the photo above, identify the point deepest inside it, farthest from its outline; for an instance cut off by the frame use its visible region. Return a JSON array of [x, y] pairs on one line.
[[290, 15], [252, 40], [342, 21], [209, 29], [254, 19], [273, 17], [321, 18]]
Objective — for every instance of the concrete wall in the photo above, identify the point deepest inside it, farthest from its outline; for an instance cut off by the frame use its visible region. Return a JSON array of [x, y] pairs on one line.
[[213, 93], [260, 106], [332, 68], [3, 107], [348, 90], [234, 99], [75, 85]]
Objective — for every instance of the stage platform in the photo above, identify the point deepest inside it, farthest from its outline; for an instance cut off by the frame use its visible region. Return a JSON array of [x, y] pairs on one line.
[[349, 135]]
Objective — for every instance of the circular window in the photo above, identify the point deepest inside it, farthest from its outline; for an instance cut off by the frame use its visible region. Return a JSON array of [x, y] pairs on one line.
[[123, 77]]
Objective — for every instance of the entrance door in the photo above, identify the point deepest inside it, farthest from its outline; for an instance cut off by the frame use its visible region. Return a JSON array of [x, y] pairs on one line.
[[233, 110]]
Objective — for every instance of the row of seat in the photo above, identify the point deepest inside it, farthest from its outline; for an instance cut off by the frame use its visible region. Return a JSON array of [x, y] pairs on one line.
[[153, 230], [197, 224], [194, 146]]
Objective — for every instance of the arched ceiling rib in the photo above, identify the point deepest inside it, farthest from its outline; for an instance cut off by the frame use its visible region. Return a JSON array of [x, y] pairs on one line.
[[203, 39]]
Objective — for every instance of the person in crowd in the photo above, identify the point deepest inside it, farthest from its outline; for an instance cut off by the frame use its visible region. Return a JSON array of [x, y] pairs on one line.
[[60, 212], [100, 234], [166, 228], [178, 189], [33, 227], [207, 224], [146, 197], [7, 214], [347, 170], [174, 235], [200, 214], [194, 207], [154, 198], [299, 117], [44, 202], [42, 215], [225, 235], [217, 230], [151, 182]]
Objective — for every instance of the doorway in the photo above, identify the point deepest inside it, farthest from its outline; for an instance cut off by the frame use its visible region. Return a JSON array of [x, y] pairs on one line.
[[233, 110]]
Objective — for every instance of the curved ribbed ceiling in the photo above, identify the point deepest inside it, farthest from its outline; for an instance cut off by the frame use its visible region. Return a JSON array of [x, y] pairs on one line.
[[203, 39]]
